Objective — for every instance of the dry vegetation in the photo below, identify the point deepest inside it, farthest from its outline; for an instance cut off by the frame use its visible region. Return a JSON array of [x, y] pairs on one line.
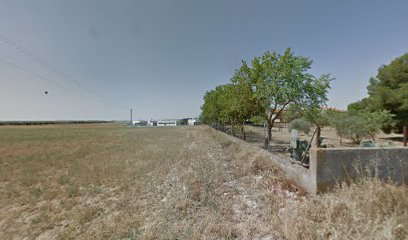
[[113, 182]]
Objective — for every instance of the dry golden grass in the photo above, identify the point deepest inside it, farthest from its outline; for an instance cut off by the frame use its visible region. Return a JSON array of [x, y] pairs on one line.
[[369, 209], [112, 182], [108, 181]]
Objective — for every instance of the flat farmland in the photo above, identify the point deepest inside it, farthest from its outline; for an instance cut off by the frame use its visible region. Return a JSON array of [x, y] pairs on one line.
[[107, 181]]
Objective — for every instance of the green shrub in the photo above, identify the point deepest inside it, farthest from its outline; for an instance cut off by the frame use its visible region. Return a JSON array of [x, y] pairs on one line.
[[300, 124], [357, 125]]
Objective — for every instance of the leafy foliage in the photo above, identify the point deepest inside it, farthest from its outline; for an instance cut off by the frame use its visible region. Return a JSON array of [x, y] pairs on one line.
[[278, 80], [266, 88], [388, 91], [292, 112], [357, 125], [259, 120], [227, 104], [300, 124]]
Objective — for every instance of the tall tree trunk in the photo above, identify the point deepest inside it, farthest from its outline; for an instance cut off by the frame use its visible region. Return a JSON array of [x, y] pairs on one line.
[[268, 136], [243, 131]]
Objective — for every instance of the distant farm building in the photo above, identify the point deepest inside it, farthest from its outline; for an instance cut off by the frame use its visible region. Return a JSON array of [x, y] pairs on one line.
[[183, 121], [191, 122], [188, 121], [139, 123], [167, 123], [152, 123]]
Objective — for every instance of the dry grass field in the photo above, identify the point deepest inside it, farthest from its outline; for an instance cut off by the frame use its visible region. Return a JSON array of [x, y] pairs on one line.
[[108, 181]]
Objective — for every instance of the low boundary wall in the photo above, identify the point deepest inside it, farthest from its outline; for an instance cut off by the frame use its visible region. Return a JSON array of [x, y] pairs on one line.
[[329, 167]]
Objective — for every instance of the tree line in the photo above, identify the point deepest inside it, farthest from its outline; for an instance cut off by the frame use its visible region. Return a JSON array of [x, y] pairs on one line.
[[277, 85], [265, 87]]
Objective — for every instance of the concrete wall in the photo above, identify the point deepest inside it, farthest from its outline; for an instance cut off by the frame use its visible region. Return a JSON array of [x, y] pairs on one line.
[[297, 173], [331, 166]]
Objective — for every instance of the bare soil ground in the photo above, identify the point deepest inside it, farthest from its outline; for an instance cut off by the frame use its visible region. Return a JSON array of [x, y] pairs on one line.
[[107, 181]]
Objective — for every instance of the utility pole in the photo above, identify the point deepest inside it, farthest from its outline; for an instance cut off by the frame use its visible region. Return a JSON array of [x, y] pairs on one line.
[[131, 116]]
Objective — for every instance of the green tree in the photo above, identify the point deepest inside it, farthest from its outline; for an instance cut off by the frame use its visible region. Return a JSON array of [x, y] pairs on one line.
[[212, 110], [362, 105], [300, 124], [227, 104], [291, 113], [278, 80], [237, 108], [357, 125], [258, 120], [389, 90]]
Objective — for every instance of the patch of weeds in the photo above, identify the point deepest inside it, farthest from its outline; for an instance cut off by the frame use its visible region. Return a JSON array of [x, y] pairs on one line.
[[75, 169], [35, 192], [89, 214], [73, 191], [132, 235], [28, 179], [94, 190], [208, 200], [64, 179], [12, 192], [36, 220], [223, 231]]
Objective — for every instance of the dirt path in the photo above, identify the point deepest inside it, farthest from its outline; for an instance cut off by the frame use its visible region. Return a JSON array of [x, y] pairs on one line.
[[246, 199], [254, 184], [224, 192]]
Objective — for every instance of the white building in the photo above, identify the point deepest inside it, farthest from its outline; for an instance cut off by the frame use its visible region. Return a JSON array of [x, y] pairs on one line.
[[191, 122], [151, 123], [139, 123], [166, 123]]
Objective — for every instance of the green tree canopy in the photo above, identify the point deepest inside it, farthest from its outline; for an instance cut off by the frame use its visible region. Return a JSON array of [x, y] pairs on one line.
[[277, 80], [228, 104], [213, 107], [389, 91], [360, 124]]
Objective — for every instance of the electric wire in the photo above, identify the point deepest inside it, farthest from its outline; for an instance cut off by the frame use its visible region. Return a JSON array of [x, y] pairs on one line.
[[29, 71], [63, 76]]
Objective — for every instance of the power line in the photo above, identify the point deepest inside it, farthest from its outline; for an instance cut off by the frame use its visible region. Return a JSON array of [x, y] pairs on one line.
[[19, 67], [64, 76], [29, 71]]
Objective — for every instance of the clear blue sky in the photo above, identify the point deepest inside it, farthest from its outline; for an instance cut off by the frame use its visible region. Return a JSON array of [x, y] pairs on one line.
[[160, 57]]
